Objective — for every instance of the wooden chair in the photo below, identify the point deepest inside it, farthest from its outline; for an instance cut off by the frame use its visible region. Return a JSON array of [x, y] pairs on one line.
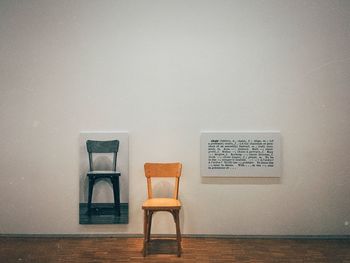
[[152, 205], [94, 175]]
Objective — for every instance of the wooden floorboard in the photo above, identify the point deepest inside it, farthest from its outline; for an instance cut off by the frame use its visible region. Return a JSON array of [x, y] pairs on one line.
[[112, 249]]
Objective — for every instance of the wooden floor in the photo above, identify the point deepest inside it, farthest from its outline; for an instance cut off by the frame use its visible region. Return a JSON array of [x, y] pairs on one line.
[[194, 250]]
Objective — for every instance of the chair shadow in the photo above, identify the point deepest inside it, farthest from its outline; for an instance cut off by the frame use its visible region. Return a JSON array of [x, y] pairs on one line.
[[162, 246]]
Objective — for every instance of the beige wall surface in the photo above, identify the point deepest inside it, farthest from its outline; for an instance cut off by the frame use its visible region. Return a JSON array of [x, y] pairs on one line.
[[164, 71]]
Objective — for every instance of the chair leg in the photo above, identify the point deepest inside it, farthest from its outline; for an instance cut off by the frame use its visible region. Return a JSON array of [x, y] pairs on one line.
[[145, 227], [149, 225], [178, 233], [115, 183], [91, 186]]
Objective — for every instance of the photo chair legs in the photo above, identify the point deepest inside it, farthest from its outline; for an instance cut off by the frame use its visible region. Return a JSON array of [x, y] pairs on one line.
[[116, 194]]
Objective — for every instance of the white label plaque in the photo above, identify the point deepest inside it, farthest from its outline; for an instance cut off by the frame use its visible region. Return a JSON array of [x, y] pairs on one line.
[[240, 154]]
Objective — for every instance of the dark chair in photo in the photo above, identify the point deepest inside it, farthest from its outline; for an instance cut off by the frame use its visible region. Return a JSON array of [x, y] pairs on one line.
[[153, 205], [111, 147]]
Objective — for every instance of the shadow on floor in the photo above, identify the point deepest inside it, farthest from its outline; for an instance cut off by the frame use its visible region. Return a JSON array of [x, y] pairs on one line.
[[162, 246]]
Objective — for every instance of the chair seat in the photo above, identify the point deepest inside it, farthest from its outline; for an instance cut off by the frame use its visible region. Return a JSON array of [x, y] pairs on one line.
[[161, 203], [100, 173]]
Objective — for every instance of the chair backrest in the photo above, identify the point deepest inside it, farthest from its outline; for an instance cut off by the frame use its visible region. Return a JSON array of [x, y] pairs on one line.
[[163, 170], [102, 147]]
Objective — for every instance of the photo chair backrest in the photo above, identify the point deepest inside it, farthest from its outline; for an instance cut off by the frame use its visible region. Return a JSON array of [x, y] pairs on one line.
[[163, 170], [102, 147]]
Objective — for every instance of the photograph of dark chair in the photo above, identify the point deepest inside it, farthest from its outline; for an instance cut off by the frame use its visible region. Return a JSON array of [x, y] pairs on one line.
[[107, 147]]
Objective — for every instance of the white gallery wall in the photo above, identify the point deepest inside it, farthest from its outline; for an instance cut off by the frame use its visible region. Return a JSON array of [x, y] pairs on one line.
[[164, 71]]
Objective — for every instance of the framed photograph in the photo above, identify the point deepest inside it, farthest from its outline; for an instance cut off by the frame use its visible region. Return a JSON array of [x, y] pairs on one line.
[[104, 178]]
